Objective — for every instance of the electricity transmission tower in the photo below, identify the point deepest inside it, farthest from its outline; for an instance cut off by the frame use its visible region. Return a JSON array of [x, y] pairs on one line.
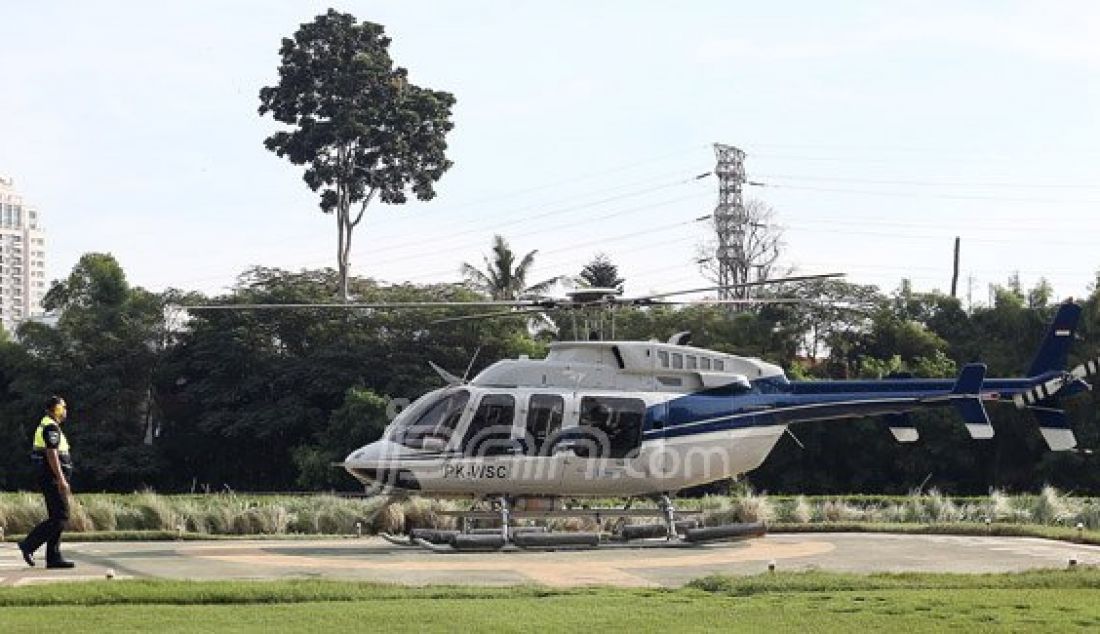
[[730, 220]]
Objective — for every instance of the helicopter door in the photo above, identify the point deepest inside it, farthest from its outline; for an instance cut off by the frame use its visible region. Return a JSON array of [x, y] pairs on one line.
[[608, 434], [610, 427], [490, 430], [544, 416]]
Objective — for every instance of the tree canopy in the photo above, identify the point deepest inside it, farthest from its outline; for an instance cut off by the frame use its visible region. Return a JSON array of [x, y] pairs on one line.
[[267, 400], [360, 127], [601, 273]]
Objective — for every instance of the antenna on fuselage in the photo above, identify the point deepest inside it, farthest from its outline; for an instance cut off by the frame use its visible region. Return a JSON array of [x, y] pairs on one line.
[[469, 367]]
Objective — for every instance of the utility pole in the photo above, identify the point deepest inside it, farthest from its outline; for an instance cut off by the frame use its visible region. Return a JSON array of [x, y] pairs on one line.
[[955, 274], [730, 219]]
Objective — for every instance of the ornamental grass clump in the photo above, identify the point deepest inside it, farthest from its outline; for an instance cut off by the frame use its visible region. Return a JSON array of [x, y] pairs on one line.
[[839, 511], [940, 509], [21, 512], [425, 513], [744, 507], [155, 511], [1051, 507], [102, 511]]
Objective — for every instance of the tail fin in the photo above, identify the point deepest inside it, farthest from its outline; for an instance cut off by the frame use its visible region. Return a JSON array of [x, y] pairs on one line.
[[1054, 351], [1043, 400]]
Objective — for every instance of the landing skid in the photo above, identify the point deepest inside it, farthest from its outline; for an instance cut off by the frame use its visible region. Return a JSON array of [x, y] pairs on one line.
[[671, 533]]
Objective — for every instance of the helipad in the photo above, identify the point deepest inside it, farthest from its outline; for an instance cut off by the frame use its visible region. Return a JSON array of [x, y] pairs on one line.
[[376, 560]]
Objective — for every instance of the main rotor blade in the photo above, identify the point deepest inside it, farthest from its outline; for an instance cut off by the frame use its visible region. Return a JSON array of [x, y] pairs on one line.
[[380, 305], [749, 301], [508, 313], [778, 280]]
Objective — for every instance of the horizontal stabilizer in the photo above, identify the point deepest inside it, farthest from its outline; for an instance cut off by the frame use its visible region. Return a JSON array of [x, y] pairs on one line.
[[901, 426], [1055, 428], [905, 434]]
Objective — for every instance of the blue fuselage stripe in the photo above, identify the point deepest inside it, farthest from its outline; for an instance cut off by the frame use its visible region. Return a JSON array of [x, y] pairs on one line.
[[800, 401]]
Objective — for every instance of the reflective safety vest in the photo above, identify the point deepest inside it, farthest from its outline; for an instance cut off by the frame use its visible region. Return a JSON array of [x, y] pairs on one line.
[[40, 437]]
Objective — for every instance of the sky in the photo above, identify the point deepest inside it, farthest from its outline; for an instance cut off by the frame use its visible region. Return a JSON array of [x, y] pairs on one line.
[[878, 132]]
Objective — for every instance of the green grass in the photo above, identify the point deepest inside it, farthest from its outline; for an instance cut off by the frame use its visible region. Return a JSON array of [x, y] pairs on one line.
[[1033, 601]]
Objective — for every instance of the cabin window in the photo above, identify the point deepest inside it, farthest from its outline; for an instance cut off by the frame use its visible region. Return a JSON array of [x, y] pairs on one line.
[[662, 357], [490, 430], [435, 420], [704, 363], [677, 361], [544, 414], [719, 365], [691, 362], [610, 427]]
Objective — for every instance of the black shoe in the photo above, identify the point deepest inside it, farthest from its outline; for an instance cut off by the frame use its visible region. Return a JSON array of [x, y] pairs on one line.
[[60, 563], [28, 555]]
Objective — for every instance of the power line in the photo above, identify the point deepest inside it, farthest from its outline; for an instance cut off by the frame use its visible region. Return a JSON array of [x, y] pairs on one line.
[[494, 226], [1029, 240], [933, 183], [919, 195], [603, 241], [449, 238], [587, 175], [463, 247]]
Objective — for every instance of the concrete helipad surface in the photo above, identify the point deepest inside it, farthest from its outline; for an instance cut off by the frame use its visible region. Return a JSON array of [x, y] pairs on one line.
[[376, 560]]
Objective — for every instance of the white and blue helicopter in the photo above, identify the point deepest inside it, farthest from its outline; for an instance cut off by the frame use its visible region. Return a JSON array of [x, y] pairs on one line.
[[646, 419]]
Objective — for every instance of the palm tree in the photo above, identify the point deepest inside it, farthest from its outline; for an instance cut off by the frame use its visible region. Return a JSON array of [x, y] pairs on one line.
[[502, 278]]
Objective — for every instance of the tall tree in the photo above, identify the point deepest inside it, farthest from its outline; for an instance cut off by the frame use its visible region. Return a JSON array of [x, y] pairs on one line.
[[503, 277], [361, 128], [601, 273]]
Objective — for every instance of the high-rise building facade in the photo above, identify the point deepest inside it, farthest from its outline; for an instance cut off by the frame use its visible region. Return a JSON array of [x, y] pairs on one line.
[[22, 258]]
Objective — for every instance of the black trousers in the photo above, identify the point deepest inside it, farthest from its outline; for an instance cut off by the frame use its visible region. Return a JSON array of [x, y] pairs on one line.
[[49, 530]]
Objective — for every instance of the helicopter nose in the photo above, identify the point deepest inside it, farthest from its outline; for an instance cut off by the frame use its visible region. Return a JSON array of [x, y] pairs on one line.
[[380, 463], [356, 464]]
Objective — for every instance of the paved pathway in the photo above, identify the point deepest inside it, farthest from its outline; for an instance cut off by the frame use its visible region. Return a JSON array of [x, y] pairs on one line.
[[375, 560]]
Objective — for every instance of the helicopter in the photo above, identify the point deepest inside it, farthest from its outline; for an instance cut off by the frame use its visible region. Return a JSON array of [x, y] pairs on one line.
[[606, 418]]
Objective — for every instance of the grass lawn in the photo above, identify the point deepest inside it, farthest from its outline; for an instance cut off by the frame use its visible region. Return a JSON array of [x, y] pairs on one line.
[[1038, 601]]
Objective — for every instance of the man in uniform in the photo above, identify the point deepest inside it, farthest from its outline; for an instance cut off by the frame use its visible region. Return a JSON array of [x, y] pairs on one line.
[[54, 466]]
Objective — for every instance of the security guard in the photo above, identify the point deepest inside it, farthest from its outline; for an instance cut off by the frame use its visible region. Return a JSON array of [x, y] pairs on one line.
[[54, 466]]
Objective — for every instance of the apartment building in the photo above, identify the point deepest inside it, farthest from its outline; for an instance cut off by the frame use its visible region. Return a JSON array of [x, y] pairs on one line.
[[22, 258]]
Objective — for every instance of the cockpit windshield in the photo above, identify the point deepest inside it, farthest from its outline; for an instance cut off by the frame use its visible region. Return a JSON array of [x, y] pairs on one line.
[[436, 418]]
